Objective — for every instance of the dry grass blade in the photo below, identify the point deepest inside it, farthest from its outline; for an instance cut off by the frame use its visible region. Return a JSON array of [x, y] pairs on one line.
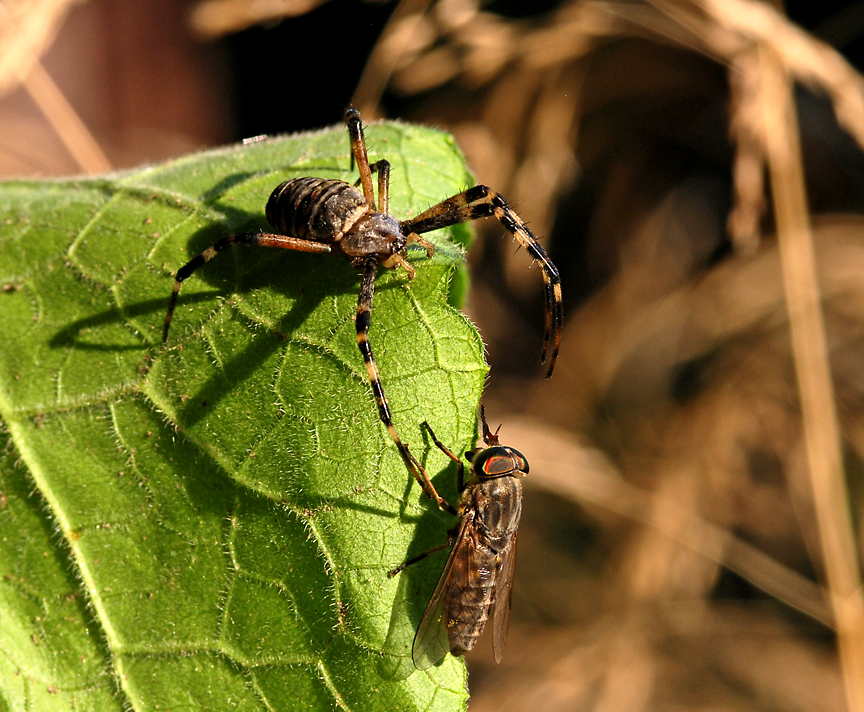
[[63, 118], [586, 477], [211, 19], [821, 429], [727, 31], [27, 29], [748, 168], [65, 121], [396, 38], [806, 58]]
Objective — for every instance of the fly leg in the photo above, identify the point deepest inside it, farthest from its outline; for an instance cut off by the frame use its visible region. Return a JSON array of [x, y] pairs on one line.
[[460, 467], [451, 537]]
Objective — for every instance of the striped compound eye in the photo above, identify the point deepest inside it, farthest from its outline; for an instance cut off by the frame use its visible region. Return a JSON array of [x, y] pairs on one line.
[[498, 461]]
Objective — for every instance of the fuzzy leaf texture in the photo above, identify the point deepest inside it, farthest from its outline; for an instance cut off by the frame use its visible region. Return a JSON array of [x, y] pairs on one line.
[[208, 524]]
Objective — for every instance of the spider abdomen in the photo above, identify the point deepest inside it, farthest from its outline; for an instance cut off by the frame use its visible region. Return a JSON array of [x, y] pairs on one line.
[[316, 209]]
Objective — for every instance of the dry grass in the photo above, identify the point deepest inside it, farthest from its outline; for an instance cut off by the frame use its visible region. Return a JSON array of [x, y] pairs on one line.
[[27, 29], [214, 18]]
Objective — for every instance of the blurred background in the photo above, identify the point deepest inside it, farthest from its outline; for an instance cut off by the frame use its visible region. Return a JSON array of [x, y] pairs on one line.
[[689, 541]]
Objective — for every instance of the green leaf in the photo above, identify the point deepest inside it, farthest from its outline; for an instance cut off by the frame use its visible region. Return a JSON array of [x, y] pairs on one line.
[[208, 524]]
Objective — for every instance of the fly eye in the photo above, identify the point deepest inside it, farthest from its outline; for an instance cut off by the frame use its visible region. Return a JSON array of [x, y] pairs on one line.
[[493, 462], [498, 465], [521, 462]]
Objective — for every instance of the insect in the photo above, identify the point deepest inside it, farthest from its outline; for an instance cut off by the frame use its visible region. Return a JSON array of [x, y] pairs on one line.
[[478, 576], [326, 215]]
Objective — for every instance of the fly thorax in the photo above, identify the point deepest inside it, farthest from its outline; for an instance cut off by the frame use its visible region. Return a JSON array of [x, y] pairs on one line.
[[498, 506]]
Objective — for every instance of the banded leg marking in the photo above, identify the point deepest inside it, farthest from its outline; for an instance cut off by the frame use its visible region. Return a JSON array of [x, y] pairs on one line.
[[480, 202], [358, 152], [262, 239], [362, 323]]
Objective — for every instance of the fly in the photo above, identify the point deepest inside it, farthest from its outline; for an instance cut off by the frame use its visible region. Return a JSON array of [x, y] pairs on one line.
[[477, 580]]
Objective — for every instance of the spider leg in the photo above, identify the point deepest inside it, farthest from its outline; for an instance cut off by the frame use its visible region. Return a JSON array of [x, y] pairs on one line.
[[382, 168], [358, 152], [364, 319], [263, 239], [430, 248], [481, 202]]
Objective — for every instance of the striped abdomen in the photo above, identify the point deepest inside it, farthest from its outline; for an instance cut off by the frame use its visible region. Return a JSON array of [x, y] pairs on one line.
[[478, 575], [469, 595], [315, 209]]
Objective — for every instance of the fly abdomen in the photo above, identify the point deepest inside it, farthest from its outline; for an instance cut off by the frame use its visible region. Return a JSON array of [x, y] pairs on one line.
[[466, 622], [316, 209], [469, 597]]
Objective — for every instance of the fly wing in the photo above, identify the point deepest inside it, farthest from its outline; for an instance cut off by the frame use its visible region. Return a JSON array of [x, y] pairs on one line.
[[432, 642], [501, 604]]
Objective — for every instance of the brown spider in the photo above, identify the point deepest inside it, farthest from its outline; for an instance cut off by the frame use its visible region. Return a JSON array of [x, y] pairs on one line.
[[326, 215]]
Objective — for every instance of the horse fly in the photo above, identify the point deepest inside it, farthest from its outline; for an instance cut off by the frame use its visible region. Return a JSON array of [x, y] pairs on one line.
[[478, 576]]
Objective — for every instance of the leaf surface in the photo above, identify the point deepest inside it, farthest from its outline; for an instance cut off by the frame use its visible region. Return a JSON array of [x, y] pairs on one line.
[[208, 524]]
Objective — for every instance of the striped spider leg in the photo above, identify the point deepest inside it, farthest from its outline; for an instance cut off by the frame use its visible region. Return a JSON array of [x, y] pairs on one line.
[[481, 202]]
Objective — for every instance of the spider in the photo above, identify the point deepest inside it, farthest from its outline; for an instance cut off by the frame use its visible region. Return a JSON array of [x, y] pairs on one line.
[[325, 215]]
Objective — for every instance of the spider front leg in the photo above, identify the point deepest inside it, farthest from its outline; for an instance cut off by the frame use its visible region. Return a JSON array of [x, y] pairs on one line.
[[382, 168], [262, 239], [480, 202], [362, 323]]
